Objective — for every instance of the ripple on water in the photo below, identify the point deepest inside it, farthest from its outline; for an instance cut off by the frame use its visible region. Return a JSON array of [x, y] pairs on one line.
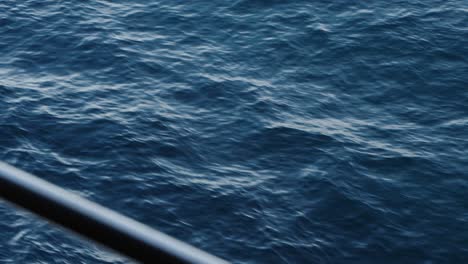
[[261, 131]]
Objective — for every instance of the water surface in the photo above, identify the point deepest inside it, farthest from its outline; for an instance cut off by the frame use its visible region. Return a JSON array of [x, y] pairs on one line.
[[260, 131]]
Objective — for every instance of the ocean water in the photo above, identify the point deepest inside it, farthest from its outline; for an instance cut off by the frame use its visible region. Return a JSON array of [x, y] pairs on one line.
[[260, 131]]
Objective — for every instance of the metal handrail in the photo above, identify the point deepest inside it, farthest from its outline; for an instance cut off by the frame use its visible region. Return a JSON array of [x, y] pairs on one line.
[[98, 223]]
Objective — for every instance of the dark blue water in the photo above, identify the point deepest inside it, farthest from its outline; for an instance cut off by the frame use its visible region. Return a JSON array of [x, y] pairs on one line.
[[260, 131]]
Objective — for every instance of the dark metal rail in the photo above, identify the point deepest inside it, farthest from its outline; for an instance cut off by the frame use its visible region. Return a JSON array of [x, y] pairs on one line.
[[96, 222]]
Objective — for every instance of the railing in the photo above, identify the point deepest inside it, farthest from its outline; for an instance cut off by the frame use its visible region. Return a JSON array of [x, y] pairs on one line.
[[86, 218]]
